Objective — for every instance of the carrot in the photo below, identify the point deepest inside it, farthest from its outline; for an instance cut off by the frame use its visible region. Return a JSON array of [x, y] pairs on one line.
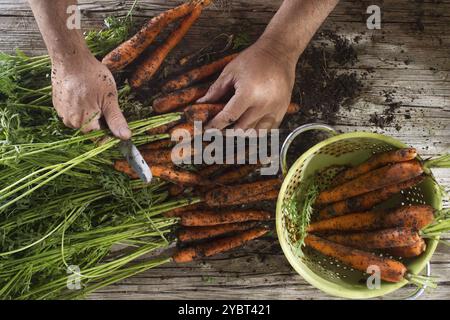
[[375, 162], [293, 108], [367, 200], [157, 145], [197, 74], [162, 129], [211, 218], [188, 127], [390, 270], [206, 111], [386, 238], [129, 50], [235, 174], [124, 167], [218, 246], [211, 170], [147, 69], [415, 217], [203, 111], [373, 180], [411, 251], [176, 190], [178, 176], [241, 193], [199, 233], [160, 156], [179, 98], [177, 212]]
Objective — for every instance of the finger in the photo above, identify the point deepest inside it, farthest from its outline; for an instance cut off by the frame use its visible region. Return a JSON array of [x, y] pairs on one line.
[[230, 113], [249, 119], [67, 122], [116, 121], [91, 123], [267, 122], [218, 89]]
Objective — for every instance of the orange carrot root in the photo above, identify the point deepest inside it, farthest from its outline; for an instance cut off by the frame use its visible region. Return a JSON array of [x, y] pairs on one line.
[[387, 238], [368, 200], [179, 98], [375, 162], [151, 64], [373, 180], [199, 233], [390, 270], [218, 246], [129, 50], [197, 74], [211, 218]]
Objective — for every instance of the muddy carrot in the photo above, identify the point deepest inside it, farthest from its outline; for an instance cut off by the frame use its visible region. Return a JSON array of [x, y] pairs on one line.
[[124, 167], [233, 175], [203, 111], [368, 200], [176, 189], [162, 129], [415, 217], [386, 238], [375, 162], [373, 180], [129, 50], [179, 98], [211, 170], [197, 74], [293, 108], [182, 129], [178, 176], [265, 196], [199, 233], [180, 211], [390, 270], [217, 246], [211, 218], [238, 194], [157, 145], [411, 251], [206, 111], [147, 69]]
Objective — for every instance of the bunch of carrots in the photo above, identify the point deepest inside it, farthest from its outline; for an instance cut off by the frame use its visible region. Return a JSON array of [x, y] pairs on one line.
[[211, 224], [351, 227]]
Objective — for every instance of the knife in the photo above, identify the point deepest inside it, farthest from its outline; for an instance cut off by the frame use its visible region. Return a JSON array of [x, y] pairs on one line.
[[135, 160]]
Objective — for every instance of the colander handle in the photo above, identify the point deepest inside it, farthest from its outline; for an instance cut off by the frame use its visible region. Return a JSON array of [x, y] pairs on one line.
[[416, 294], [291, 137]]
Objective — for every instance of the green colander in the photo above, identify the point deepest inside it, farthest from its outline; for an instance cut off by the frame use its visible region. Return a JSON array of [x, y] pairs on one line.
[[328, 274]]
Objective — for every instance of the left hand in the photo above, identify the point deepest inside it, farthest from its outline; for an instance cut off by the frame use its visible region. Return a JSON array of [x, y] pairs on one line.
[[262, 77]]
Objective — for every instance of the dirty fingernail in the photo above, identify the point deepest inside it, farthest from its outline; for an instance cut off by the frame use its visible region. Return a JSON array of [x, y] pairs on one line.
[[124, 133]]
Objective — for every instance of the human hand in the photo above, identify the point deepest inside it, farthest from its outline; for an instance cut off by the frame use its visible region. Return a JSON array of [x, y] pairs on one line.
[[84, 90], [262, 77]]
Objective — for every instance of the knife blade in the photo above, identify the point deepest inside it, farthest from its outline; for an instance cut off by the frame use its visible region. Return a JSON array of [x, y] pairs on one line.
[[136, 160]]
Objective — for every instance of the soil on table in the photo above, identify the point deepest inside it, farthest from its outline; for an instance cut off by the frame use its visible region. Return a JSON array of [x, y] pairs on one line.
[[322, 88]]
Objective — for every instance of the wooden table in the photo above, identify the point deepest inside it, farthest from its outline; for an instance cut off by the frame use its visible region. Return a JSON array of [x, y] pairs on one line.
[[410, 54]]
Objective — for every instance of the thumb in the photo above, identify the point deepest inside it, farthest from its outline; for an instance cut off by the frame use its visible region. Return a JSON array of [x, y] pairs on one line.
[[218, 89], [230, 113], [116, 121]]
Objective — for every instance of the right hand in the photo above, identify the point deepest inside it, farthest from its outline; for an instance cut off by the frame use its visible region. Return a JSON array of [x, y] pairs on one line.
[[84, 90]]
